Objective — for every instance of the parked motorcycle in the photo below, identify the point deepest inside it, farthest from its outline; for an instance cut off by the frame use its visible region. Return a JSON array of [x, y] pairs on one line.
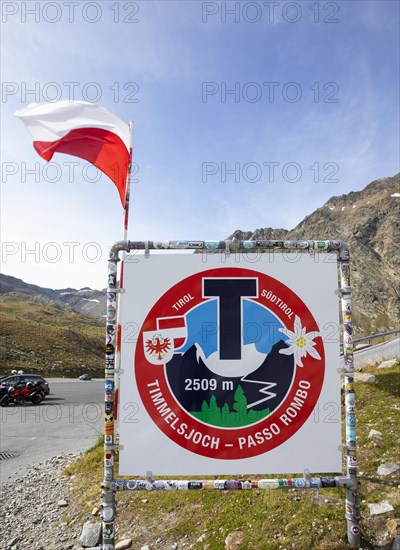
[[18, 394]]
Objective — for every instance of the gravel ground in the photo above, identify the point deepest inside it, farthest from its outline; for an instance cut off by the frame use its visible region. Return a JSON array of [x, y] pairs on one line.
[[34, 509]]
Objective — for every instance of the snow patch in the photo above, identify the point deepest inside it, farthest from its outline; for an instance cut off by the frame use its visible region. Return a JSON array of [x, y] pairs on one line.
[[93, 300], [331, 208], [343, 207], [395, 195]]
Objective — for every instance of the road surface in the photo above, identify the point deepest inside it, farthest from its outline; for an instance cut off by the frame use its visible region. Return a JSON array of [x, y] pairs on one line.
[[69, 420], [377, 354]]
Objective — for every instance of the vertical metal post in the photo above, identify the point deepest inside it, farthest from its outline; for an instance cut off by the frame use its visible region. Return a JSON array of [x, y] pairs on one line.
[[108, 495], [352, 495]]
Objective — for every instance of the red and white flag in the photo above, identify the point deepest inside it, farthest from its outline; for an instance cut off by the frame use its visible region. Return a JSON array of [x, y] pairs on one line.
[[84, 130]]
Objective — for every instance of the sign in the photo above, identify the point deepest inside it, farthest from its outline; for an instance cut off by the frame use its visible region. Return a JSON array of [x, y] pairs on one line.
[[229, 367]]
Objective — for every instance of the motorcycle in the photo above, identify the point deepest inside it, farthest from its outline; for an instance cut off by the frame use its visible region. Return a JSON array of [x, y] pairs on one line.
[[18, 394]]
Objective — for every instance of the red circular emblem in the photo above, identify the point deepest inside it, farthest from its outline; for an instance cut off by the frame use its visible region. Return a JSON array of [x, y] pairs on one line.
[[229, 363]]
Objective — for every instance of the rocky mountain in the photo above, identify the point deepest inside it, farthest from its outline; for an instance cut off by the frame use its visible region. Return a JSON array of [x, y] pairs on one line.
[[85, 301], [369, 221]]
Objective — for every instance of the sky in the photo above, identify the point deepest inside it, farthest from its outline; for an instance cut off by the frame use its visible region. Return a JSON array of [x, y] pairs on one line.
[[246, 115]]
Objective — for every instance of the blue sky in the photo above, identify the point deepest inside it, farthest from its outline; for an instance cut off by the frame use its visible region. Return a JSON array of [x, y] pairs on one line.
[[316, 94]]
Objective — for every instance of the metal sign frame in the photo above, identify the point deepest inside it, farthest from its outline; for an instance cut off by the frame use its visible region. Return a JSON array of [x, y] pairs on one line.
[[110, 485]]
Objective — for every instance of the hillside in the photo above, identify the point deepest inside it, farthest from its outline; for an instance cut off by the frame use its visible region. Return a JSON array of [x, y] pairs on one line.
[[85, 300], [369, 221], [48, 338]]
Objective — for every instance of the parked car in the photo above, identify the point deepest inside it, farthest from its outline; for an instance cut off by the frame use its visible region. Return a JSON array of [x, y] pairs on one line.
[[8, 381], [85, 377]]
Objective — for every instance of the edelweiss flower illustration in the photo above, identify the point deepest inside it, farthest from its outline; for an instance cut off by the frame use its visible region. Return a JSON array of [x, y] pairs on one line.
[[300, 342]]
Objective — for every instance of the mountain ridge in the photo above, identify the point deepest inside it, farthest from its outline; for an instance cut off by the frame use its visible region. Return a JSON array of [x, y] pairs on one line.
[[368, 220]]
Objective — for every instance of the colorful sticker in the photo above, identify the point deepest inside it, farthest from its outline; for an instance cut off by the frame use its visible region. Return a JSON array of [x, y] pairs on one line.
[[109, 349], [111, 312], [108, 530], [328, 482], [315, 482], [351, 420], [219, 484], [108, 473], [299, 483], [109, 385], [233, 484], [108, 513], [195, 485], [108, 429], [268, 484]]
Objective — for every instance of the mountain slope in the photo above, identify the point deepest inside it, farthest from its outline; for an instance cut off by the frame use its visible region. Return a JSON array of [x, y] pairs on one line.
[[369, 221], [85, 301], [48, 338]]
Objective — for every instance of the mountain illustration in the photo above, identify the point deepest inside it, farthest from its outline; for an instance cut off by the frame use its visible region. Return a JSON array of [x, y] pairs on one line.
[[183, 369]]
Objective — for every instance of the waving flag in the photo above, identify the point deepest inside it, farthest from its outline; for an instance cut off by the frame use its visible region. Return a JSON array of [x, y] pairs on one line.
[[84, 130]]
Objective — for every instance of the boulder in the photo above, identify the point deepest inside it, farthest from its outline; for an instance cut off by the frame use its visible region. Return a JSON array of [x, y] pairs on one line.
[[387, 469], [388, 364], [380, 508], [364, 377], [234, 540], [91, 534]]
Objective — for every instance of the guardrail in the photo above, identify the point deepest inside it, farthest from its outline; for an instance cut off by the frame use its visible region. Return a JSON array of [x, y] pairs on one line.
[[369, 339]]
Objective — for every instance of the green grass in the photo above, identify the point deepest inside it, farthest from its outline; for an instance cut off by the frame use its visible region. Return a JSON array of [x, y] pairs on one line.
[[269, 520], [48, 338]]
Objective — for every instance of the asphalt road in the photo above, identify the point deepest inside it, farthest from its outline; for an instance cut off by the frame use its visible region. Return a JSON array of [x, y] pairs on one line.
[[378, 353], [69, 420]]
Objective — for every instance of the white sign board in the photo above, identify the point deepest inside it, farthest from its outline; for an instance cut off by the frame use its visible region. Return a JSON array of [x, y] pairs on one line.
[[229, 364]]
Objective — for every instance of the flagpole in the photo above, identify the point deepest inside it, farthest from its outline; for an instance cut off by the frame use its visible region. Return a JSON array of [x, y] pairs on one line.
[[128, 183], [110, 431]]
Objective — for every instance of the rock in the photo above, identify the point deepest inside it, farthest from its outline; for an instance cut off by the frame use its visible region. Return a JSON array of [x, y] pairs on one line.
[[380, 508], [392, 525], [145, 547], [382, 541], [201, 538], [388, 364], [95, 511], [373, 433], [396, 543], [233, 540], [62, 503], [91, 534], [387, 469], [126, 543], [364, 377]]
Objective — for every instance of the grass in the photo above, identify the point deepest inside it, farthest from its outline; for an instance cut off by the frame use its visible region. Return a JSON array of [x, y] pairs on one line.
[[48, 338], [268, 520]]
